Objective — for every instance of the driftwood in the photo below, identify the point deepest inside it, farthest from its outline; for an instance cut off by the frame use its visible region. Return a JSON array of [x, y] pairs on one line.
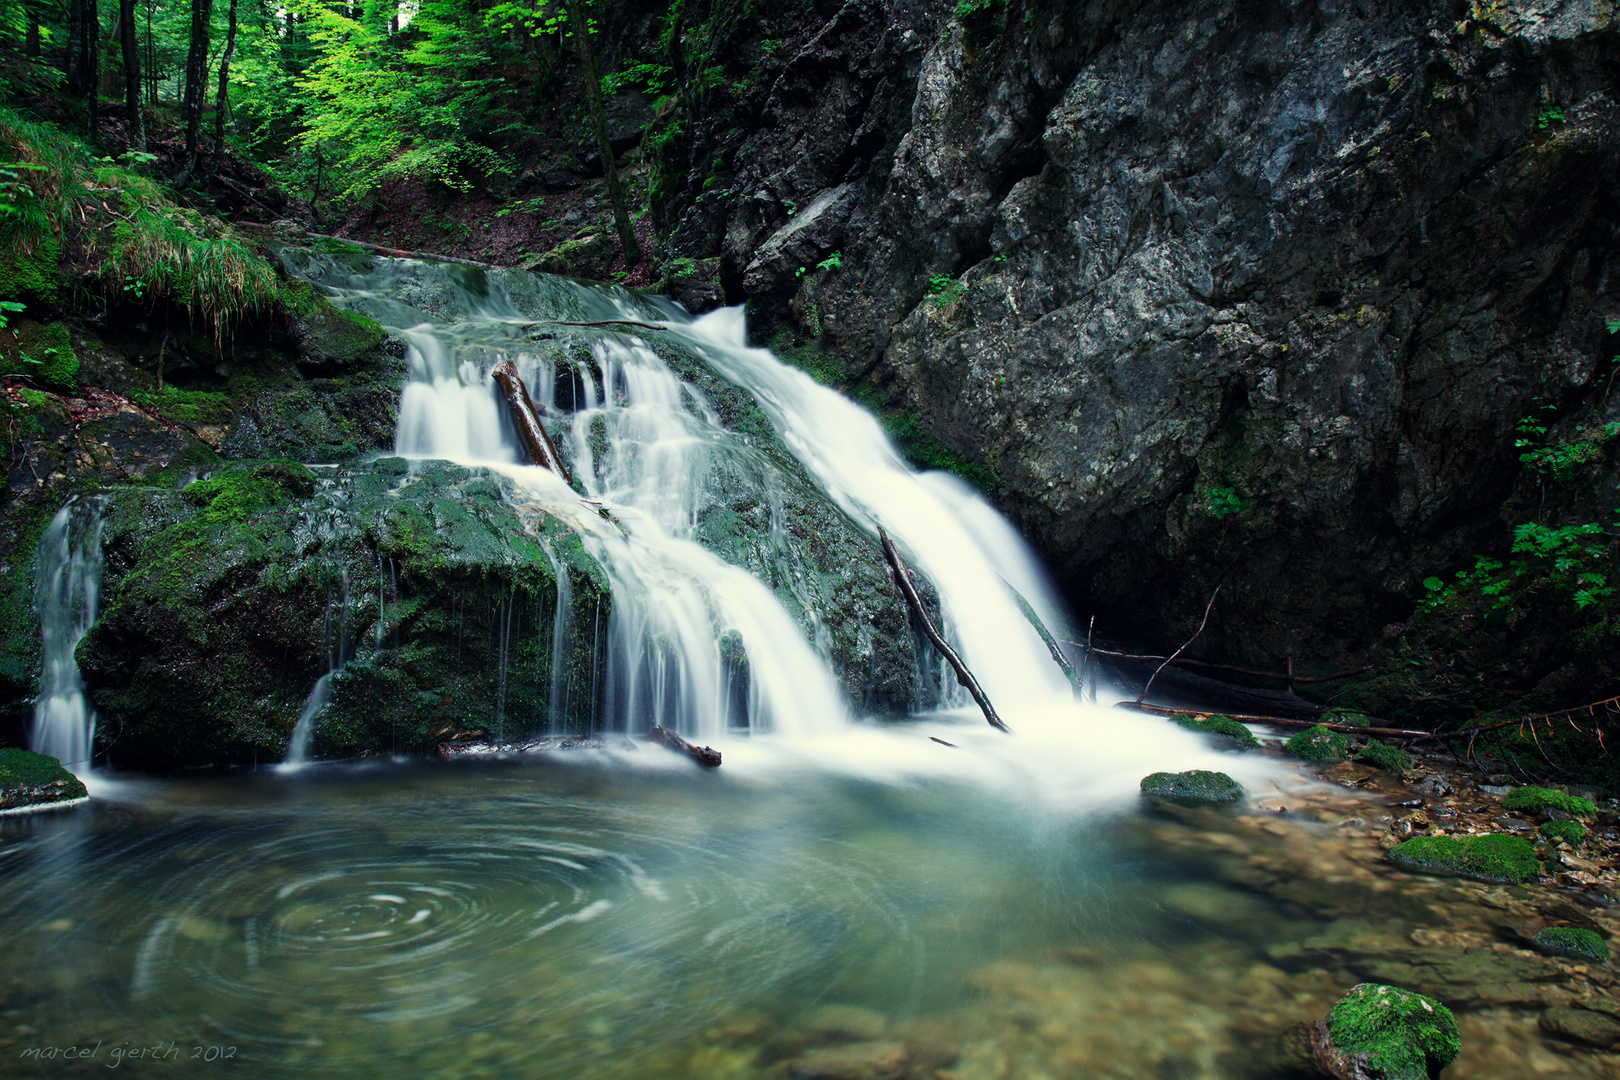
[[706, 756], [1203, 623], [913, 601], [536, 443], [600, 322], [1280, 721]]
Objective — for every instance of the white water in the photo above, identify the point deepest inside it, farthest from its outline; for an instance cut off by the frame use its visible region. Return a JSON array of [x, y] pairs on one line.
[[68, 594], [675, 601], [337, 654]]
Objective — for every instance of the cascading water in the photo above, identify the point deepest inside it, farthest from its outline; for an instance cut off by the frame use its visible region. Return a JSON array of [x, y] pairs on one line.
[[68, 591], [336, 634]]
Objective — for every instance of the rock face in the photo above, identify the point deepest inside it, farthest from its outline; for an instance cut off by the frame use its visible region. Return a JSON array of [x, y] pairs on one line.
[[1202, 286]]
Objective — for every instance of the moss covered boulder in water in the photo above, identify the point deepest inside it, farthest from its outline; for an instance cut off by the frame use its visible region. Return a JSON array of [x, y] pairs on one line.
[[1195, 787], [1534, 800], [1383, 756], [1392, 1034], [30, 779], [1574, 942], [1230, 733], [1318, 744], [1505, 860]]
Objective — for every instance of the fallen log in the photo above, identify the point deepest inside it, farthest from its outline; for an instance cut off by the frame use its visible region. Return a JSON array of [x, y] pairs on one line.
[[706, 756], [536, 443], [1280, 721], [597, 322], [1279, 676], [913, 601]]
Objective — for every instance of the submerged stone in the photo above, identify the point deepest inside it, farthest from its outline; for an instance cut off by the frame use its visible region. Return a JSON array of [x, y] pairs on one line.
[[1582, 1026], [1504, 860], [28, 779], [1574, 942], [1318, 744], [1230, 733], [1398, 1034], [872, 1060], [1534, 800], [1194, 787]]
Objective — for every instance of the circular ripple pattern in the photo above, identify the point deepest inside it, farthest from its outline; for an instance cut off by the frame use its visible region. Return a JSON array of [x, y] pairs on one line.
[[561, 931]]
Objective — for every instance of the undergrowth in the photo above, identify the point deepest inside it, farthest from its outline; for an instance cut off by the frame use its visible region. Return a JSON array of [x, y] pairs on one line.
[[120, 234]]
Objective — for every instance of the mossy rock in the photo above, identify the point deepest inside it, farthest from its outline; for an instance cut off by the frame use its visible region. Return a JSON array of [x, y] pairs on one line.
[[1505, 860], [1383, 756], [1349, 719], [330, 341], [1533, 800], [1574, 942], [30, 275], [1232, 734], [1196, 787], [1570, 832], [43, 354], [30, 779], [1396, 1034], [1318, 744]]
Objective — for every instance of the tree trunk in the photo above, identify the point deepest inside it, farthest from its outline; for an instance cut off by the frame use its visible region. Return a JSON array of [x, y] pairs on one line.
[[580, 22], [132, 75], [191, 105], [75, 28], [92, 64], [31, 31], [222, 99]]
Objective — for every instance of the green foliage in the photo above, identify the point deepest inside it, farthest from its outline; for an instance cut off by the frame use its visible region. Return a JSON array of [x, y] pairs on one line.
[[1551, 116], [945, 290], [1533, 800], [9, 306], [1318, 744], [1574, 942], [1570, 832], [1505, 860], [1197, 786], [1223, 726], [967, 11], [1383, 756], [1404, 1036], [1224, 501]]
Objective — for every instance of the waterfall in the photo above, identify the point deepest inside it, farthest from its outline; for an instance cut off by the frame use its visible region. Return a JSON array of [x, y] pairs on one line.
[[336, 645], [68, 592], [696, 643]]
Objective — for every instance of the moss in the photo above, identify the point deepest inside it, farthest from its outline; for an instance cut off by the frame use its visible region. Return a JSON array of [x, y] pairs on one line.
[[30, 779], [1533, 800], [330, 338], [1570, 832], [1574, 942], [185, 406], [1193, 787], [1403, 1035], [30, 275], [40, 353], [1505, 860], [1349, 719], [1223, 726], [1318, 744], [1384, 756]]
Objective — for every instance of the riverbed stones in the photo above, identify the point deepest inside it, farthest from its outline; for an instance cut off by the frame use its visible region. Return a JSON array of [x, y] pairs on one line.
[[1496, 858], [1192, 788], [1582, 1026], [1575, 942], [874, 1059], [1390, 1033], [29, 780]]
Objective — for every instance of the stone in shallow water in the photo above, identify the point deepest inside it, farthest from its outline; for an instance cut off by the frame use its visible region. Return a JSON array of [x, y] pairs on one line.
[[871, 1060], [843, 1023], [1195, 786], [1579, 1025], [1318, 744], [1401, 1035], [1574, 942], [1505, 860]]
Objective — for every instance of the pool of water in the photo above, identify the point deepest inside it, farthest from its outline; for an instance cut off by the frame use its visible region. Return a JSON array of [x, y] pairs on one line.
[[574, 915]]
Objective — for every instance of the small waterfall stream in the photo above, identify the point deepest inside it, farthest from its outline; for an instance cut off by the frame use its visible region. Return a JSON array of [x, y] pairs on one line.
[[68, 593]]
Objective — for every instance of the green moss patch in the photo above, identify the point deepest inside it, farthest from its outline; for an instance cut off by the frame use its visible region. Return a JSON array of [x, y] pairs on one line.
[[1195, 787], [1533, 800], [1223, 726], [1350, 719], [1318, 744], [30, 779], [42, 354], [1570, 832], [1403, 1036], [1505, 860], [1573, 942], [1384, 756]]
